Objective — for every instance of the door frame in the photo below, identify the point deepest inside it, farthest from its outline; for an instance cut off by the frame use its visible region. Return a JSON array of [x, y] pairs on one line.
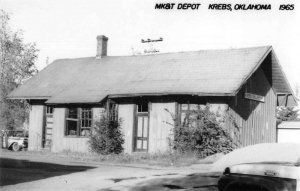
[[135, 127]]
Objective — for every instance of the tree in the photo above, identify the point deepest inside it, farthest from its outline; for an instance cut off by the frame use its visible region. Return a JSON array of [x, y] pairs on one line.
[[286, 114], [16, 65], [297, 93], [289, 113]]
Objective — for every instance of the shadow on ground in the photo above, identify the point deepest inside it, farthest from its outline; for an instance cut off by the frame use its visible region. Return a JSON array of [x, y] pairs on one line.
[[196, 182], [13, 171]]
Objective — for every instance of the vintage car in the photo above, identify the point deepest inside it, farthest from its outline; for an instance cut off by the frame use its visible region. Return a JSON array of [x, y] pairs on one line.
[[15, 140], [275, 167], [265, 176]]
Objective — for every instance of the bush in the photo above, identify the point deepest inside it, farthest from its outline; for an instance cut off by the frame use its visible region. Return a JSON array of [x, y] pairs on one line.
[[106, 137], [201, 133]]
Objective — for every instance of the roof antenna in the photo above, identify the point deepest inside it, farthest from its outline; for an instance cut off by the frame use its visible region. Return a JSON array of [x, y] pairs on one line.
[[151, 49]]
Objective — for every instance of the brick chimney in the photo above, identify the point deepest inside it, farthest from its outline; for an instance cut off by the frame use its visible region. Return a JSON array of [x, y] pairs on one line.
[[101, 46]]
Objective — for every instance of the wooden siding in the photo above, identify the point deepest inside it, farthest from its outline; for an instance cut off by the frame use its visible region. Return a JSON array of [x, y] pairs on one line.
[[160, 126], [126, 114], [58, 129], [255, 120], [60, 142], [36, 122]]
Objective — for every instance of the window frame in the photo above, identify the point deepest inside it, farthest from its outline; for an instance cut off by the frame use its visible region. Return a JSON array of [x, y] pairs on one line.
[[187, 112], [49, 110], [142, 106], [88, 118], [112, 111]]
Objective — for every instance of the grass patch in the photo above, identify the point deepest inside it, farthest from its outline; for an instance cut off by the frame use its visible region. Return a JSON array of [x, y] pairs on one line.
[[155, 159]]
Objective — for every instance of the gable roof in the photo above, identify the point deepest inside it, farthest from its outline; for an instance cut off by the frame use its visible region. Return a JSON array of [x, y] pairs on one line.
[[203, 73]]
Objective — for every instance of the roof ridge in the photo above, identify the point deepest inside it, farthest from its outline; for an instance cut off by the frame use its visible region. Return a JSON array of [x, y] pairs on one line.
[[166, 53]]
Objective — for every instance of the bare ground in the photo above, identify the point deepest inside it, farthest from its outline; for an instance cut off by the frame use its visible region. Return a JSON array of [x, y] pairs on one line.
[[28, 172]]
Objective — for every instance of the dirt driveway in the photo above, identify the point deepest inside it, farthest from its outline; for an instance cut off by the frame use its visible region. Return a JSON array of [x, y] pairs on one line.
[[30, 174]]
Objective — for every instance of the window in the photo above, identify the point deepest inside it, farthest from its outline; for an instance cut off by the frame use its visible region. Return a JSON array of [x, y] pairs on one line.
[[189, 111], [142, 108], [78, 121], [112, 112], [49, 110]]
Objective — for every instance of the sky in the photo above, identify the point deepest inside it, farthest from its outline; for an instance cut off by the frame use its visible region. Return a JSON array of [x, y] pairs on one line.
[[68, 28]]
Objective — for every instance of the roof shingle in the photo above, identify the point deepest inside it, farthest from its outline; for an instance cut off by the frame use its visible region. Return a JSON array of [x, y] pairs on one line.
[[89, 80]]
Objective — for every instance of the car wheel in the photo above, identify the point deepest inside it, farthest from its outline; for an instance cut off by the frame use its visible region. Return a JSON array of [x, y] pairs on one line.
[[15, 147]]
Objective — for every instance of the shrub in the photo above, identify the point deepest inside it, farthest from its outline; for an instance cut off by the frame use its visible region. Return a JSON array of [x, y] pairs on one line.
[[201, 133], [106, 137]]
